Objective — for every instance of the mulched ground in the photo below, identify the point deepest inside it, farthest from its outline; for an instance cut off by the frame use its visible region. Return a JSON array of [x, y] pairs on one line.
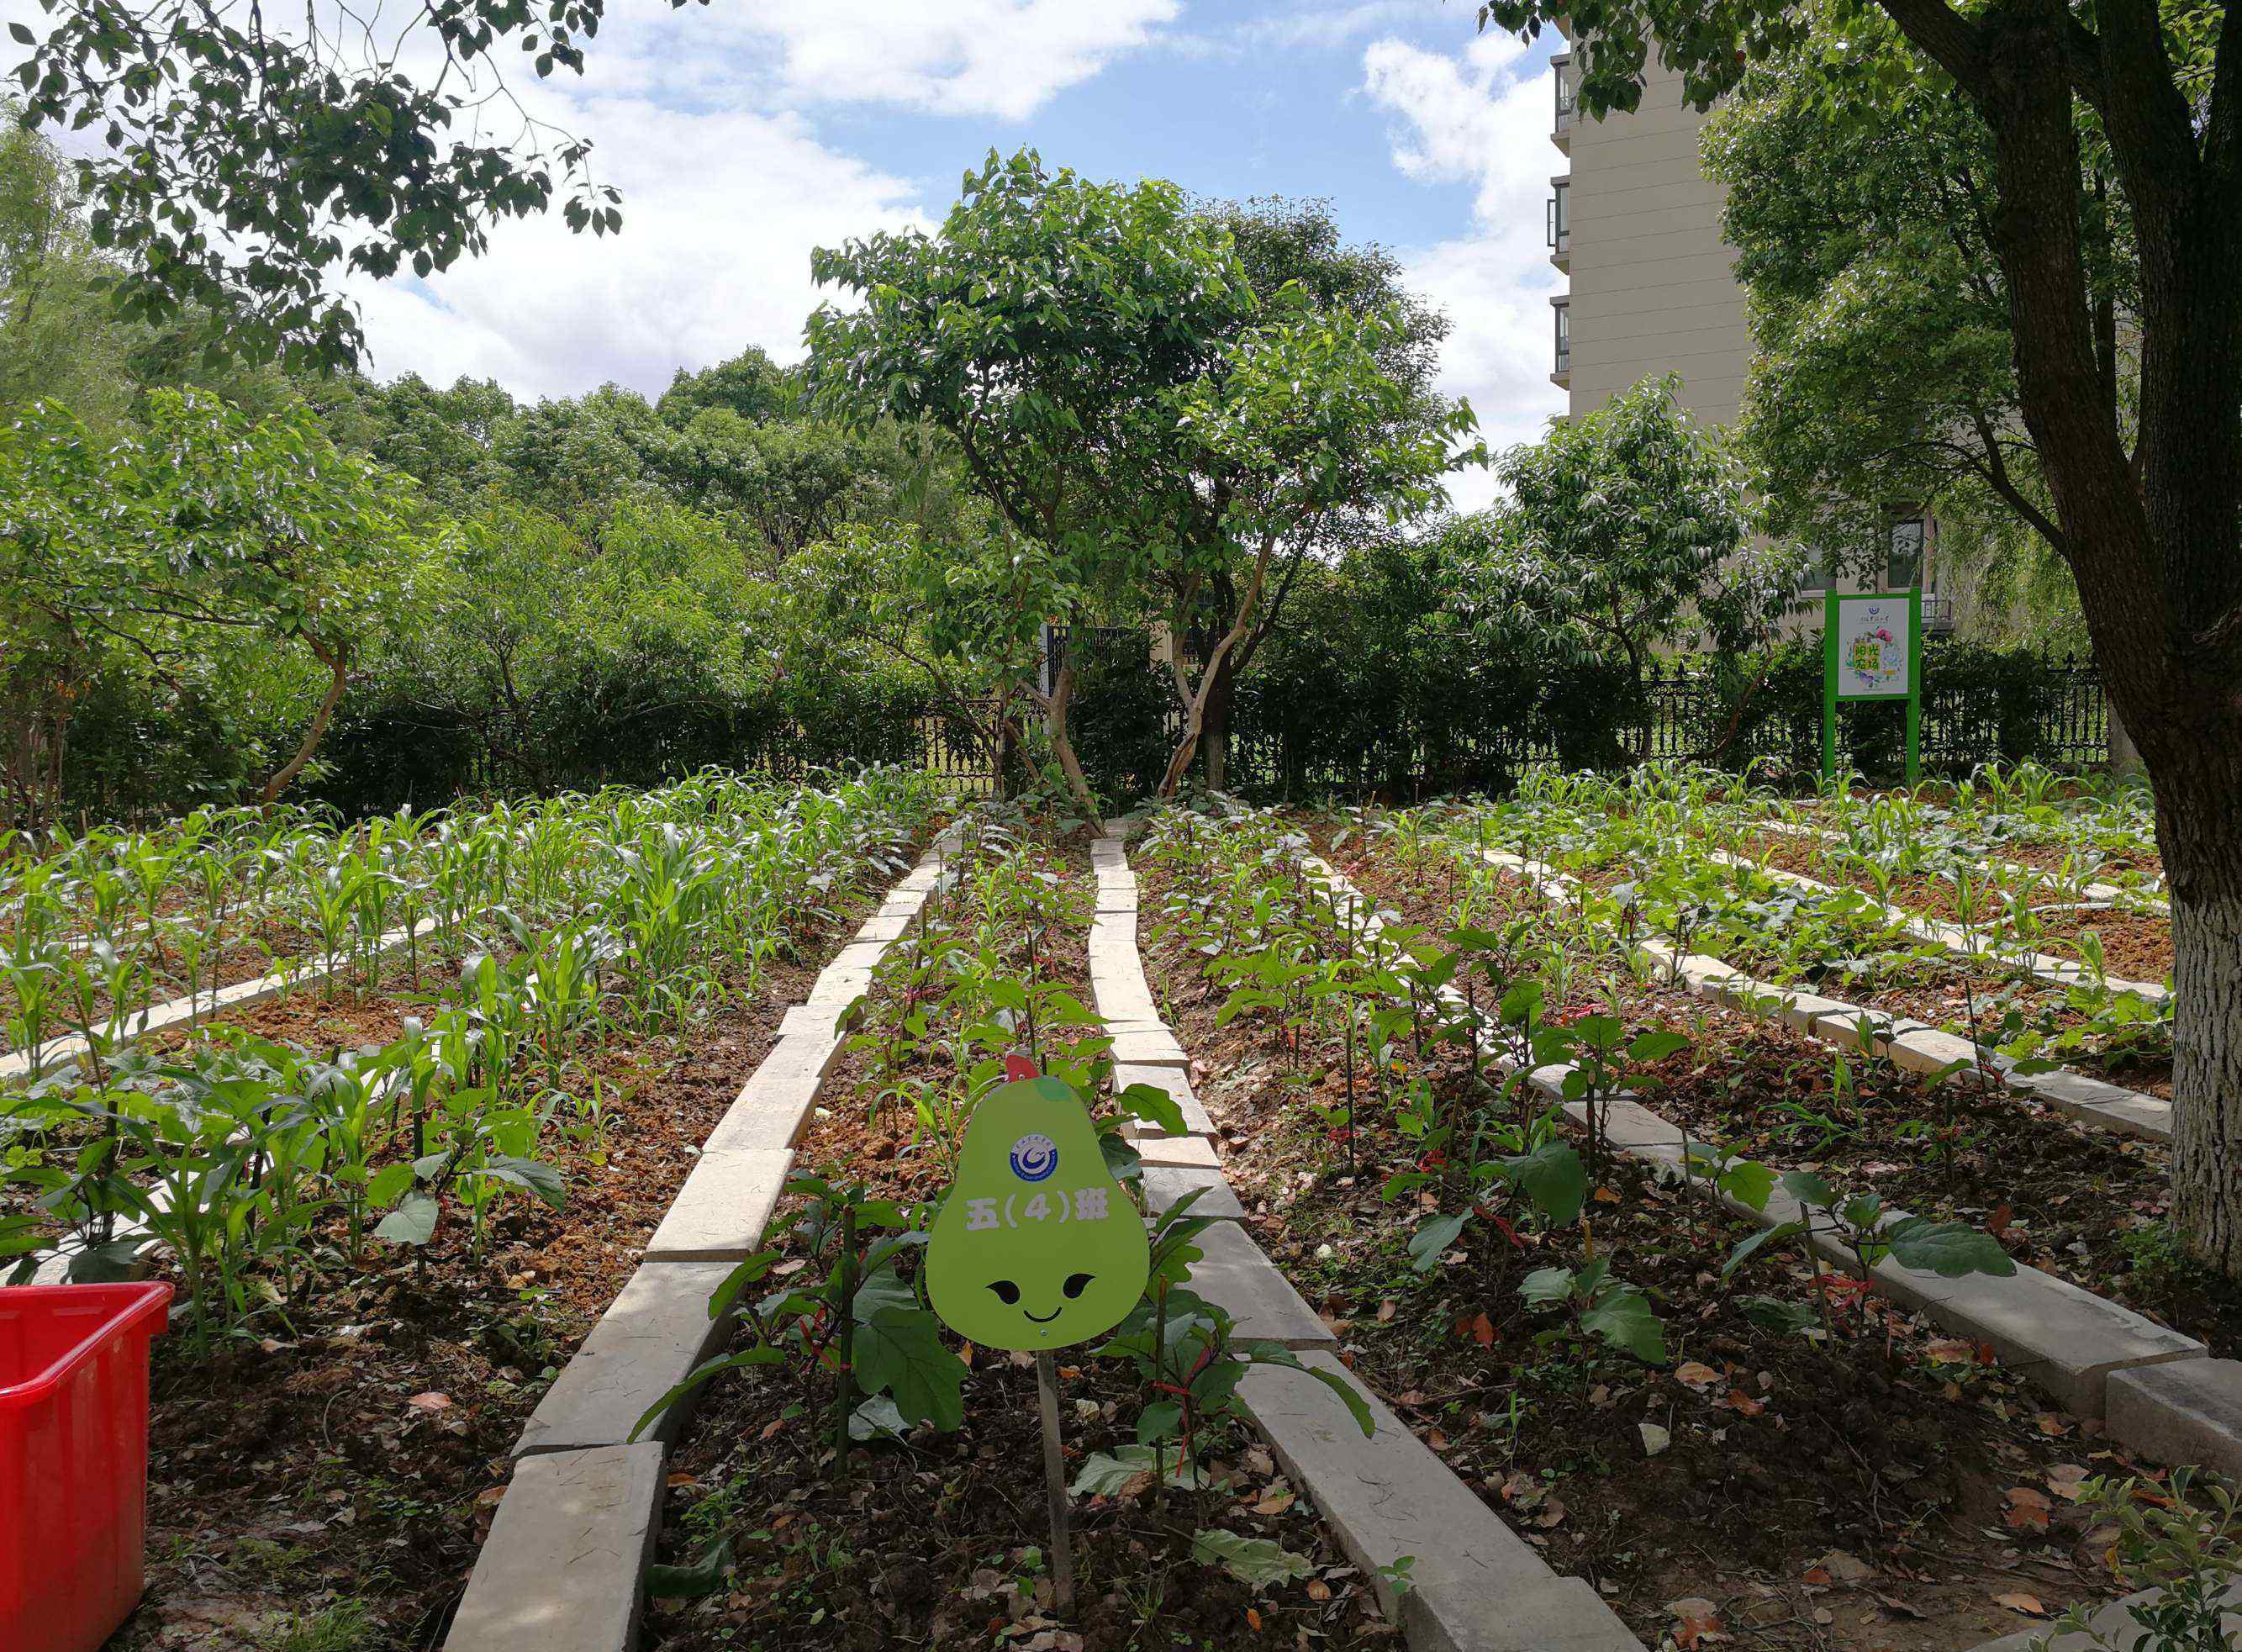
[[1885, 1493], [942, 1540], [1953, 993]]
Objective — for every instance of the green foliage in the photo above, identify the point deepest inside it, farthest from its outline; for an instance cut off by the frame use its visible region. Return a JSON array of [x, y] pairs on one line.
[[253, 208], [1617, 522]]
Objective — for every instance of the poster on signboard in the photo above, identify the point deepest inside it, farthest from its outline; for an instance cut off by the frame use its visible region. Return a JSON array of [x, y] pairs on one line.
[[1872, 647]]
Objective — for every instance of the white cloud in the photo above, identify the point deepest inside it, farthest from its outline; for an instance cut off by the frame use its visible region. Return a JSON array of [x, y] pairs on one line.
[[1005, 58], [719, 213], [1482, 118]]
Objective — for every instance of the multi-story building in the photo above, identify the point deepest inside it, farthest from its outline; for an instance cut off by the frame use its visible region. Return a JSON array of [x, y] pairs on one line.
[[1635, 225]]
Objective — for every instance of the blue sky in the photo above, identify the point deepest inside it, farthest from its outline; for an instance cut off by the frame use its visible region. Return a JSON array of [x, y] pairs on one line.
[[745, 133]]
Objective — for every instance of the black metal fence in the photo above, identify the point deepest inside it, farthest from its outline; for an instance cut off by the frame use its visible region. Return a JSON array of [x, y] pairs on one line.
[[1292, 736]]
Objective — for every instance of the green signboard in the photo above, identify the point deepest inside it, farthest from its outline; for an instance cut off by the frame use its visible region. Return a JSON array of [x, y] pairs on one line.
[[1872, 649], [1038, 1246]]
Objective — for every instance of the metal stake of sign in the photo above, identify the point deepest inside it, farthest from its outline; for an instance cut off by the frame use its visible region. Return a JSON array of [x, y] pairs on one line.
[[1055, 1483]]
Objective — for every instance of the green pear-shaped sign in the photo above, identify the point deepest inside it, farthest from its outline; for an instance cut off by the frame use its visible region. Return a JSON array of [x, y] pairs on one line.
[[1038, 1246]]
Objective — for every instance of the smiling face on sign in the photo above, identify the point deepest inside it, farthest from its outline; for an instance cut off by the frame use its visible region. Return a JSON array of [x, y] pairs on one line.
[[1037, 1245]]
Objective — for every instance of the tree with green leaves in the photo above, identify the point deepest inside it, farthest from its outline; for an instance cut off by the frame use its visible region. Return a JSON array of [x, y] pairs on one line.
[[1283, 243], [1128, 403], [2145, 505], [248, 162], [1884, 372], [1045, 328], [1625, 533], [207, 536]]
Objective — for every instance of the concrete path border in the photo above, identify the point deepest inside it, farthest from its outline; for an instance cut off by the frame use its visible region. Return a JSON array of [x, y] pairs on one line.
[[156, 1017], [563, 1568], [1916, 1045], [1475, 1585], [2131, 902], [1954, 937]]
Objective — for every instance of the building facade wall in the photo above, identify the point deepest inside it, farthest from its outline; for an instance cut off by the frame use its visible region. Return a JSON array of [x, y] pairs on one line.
[[1653, 288]]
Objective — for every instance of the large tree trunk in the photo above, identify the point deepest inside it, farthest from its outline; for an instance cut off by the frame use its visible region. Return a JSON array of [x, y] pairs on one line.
[[2150, 535], [1218, 664], [2207, 1047], [1214, 734]]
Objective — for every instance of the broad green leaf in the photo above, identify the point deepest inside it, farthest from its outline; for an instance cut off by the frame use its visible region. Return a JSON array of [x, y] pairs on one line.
[[1431, 1240], [1104, 1474], [1623, 1318], [901, 1350], [1948, 1249], [1546, 1286], [1154, 1106], [1554, 1177], [413, 1221], [705, 1576]]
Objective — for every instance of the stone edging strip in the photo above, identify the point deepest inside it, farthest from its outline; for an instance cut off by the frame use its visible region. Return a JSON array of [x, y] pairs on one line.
[[563, 1568], [1915, 1045], [1475, 1585], [2155, 1389]]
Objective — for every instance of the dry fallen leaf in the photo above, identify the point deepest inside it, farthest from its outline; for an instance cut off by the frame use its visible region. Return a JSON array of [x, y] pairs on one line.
[[430, 1402], [2017, 1601], [2067, 1481], [1317, 1589], [2027, 1510], [1387, 1310], [1898, 1608], [1694, 1375], [2053, 1425], [1253, 1618], [1743, 1403], [1697, 1622], [1846, 1567]]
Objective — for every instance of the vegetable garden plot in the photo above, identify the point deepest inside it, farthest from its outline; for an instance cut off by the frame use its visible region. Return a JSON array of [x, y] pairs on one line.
[[2074, 1202], [394, 1211], [855, 1481], [2026, 911], [1522, 1295], [2026, 813], [1651, 873]]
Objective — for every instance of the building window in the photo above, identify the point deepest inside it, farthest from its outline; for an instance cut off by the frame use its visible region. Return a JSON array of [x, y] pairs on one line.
[[1564, 314], [1904, 566], [1816, 580], [1560, 219], [1564, 66]]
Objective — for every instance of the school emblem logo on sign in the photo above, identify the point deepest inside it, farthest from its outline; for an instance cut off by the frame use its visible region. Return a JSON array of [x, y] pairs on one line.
[[1038, 1246]]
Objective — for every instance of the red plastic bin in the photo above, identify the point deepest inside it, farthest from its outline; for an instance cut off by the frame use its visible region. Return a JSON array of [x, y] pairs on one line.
[[73, 1460]]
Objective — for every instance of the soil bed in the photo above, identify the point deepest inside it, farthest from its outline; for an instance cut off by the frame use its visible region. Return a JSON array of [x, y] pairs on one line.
[[2086, 1205], [941, 1539], [2136, 946], [1863, 1497], [332, 1470]]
